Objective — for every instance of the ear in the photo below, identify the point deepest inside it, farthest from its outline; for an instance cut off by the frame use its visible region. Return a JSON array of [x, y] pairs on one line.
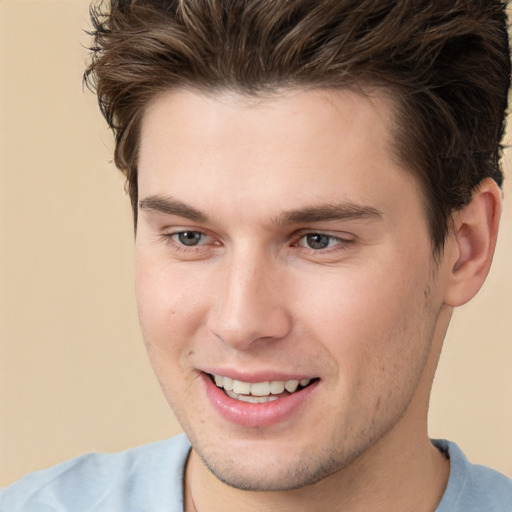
[[475, 229]]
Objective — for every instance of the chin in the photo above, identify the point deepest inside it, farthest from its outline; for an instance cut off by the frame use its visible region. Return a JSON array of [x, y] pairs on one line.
[[279, 470], [246, 479]]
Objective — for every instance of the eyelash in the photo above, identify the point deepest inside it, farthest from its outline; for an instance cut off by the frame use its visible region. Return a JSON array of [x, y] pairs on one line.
[[340, 243], [169, 239]]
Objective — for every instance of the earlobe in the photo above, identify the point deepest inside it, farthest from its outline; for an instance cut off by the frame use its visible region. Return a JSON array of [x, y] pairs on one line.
[[473, 242]]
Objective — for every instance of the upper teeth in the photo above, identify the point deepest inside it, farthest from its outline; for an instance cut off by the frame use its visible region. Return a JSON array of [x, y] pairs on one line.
[[274, 387]]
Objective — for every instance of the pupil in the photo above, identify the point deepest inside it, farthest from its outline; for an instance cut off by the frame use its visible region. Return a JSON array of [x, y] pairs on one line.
[[189, 237], [317, 241]]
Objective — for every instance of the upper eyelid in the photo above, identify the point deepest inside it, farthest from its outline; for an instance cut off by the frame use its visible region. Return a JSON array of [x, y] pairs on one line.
[[180, 231], [176, 231], [184, 230], [344, 235]]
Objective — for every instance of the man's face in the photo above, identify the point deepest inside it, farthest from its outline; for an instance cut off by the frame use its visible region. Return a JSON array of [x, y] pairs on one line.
[[280, 241]]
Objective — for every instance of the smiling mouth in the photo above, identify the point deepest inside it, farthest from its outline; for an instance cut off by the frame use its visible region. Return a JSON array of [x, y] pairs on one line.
[[259, 392]]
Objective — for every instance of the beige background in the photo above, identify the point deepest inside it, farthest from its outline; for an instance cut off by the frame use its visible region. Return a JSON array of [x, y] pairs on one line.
[[73, 373]]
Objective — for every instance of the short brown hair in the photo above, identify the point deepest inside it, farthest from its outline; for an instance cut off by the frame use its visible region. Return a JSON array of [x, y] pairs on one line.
[[445, 62]]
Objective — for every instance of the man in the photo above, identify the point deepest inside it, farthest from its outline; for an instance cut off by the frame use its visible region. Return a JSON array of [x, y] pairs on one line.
[[315, 187]]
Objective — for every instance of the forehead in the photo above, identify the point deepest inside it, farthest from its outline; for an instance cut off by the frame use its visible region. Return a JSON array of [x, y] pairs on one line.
[[319, 114], [294, 147]]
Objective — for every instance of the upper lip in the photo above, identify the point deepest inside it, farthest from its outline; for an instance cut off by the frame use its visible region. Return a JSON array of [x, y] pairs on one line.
[[257, 376]]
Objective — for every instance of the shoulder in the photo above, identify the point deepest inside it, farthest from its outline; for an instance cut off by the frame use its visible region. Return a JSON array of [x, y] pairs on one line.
[[142, 478], [472, 487]]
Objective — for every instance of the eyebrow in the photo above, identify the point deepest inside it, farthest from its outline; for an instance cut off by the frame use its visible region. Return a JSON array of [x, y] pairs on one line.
[[329, 212], [341, 211], [170, 206]]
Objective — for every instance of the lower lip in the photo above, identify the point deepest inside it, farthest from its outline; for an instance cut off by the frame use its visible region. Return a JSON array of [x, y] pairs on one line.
[[247, 414]]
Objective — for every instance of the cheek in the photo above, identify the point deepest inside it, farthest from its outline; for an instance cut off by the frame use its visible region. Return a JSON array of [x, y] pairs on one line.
[[171, 314], [371, 319], [171, 303]]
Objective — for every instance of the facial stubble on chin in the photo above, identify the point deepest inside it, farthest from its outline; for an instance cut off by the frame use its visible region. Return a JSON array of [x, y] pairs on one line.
[[304, 473]]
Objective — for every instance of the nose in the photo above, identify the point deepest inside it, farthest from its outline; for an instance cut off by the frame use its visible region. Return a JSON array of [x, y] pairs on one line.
[[250, 304]]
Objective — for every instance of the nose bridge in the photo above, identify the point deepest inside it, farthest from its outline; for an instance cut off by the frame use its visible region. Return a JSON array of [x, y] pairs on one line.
[[250, 305]]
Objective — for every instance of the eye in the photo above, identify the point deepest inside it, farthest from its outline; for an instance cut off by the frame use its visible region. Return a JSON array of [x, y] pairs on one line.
[[318, 241], [190, 238]]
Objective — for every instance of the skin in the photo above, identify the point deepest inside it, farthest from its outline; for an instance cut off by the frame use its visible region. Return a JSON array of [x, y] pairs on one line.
[[366, 315]]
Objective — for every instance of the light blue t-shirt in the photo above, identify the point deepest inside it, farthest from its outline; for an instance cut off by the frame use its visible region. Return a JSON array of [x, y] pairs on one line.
[[150, 479]]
